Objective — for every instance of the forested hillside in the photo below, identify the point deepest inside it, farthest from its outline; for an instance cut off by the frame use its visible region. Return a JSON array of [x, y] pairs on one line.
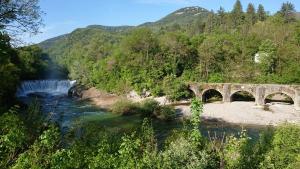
[[191, 44]]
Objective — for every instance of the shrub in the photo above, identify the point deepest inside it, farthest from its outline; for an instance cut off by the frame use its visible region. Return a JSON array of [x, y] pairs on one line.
[[149, 106], [166, 113], [157, 91], [175, 89], [125, 107], [216, 78], [285, 148], [13, 136], [39, 155], [182, 153]]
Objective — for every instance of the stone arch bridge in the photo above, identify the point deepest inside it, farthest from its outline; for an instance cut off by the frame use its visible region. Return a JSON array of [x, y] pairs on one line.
[[259, 91]]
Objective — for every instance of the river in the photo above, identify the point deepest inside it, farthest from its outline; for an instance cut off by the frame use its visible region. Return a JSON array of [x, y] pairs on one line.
[[67, 112]]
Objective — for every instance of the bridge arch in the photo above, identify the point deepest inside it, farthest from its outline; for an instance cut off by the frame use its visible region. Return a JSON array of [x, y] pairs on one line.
[[209, 93], [242, 95], [292, 99]]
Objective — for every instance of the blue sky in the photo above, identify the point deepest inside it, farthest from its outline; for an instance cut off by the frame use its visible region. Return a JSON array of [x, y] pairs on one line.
[[63, 16]]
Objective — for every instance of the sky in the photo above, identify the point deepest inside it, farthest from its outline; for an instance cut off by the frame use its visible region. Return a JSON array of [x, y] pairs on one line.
[[63, 16]]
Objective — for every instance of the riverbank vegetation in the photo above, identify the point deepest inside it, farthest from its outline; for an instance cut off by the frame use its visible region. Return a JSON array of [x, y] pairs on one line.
[[99, 147], [148, 108]]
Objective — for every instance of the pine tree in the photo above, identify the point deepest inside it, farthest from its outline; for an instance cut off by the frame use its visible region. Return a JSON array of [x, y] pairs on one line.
[[261, 13], [221, 16], [287, 11], [210, 23], [237, 14], [251, 15]]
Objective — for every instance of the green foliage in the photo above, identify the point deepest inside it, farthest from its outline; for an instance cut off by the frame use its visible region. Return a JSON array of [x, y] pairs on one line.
[[285, 148], [261, 13], [15, 65], [216, 78], [174, 88], [181, 153], [287, 11], [251, 14], [162, 59], [125, 107], [40, 153], [166, 113], [32, 62], [98, 147], [149, 106], [13, 137], [9, 72], [237, 14], [237, 151], [20, 16], [267, 57], [196, 111]]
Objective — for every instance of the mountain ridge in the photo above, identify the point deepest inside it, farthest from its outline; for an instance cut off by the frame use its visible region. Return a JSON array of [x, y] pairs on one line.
[[182, 16]]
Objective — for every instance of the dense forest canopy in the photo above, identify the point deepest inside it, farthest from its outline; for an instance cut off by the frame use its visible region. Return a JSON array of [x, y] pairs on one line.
[[191, 44]]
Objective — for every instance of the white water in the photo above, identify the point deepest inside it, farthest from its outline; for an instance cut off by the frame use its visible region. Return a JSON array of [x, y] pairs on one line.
[[53, 87]]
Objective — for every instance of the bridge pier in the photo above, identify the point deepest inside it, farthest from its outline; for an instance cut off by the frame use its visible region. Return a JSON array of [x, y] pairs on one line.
[[259, 96], [297, 100], [226, 93]]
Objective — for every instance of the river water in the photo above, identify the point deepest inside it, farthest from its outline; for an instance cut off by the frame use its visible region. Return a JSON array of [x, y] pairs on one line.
[[67, 112]]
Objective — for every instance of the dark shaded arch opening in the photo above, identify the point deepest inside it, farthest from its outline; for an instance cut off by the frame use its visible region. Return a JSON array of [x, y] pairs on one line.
[[211, 95], [279, 98], [191, 93], [242, 96]]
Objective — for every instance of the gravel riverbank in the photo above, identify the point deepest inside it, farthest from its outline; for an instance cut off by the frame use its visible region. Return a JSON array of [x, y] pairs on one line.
[[247, 113], [235, 112]]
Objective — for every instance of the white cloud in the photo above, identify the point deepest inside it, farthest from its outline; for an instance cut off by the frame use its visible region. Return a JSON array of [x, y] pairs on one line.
[[185, 2]]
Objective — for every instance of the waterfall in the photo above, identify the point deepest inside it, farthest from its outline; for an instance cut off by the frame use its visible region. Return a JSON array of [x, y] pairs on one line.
[[53, 87]]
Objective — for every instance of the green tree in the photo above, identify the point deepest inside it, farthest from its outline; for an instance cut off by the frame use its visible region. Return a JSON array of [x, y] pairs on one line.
[[9, 72], [13, 137], [221, 16], [285, 148], [267, 57], [237, 14], [211, 22], [174, 88], [251, 14], [287, 11], [18, 16], [261, 13], [31, 62], [141, 41]]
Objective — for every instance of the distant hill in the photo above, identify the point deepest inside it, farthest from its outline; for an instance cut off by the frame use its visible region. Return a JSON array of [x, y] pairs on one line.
[[111, 28], [56, 47], [184, 16], [87, 41], [51, 42]]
